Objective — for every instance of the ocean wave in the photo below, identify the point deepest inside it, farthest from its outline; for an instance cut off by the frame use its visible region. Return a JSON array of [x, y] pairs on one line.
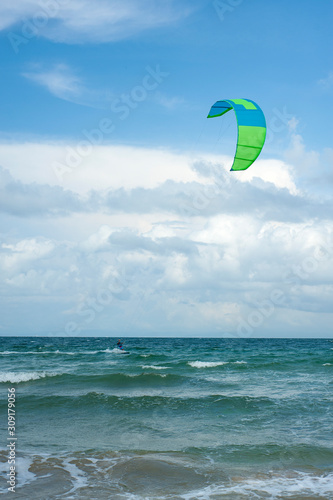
[[163, 476], [69, 353], [269, 453], [138, 377], [17, 377], [153, 399], [154, 367], [206, 364], [106, 380], [121, 380], [273, 486], [115, 350], [42, 352], [214, 364]]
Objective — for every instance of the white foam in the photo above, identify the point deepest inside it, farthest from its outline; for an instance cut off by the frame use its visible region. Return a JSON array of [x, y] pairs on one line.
[[276, 487], [206, 364], [3, 471], [114, 351], [138, 375], [154, 367], [16, 378], [24, 475], [67, 353], [38, 352], [79, 477], [327, 364]]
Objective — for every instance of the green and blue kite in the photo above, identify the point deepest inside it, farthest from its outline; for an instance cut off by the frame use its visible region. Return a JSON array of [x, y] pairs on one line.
[[251, 129]]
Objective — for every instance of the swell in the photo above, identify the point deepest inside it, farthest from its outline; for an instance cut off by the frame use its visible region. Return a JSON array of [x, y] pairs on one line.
[[286, 455], [95, 399], [119, 380]]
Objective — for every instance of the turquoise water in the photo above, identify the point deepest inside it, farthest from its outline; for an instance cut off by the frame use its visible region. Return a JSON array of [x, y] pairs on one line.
[[175, 419]]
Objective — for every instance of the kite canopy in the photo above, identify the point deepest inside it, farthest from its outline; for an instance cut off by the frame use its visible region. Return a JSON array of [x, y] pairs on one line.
[[251, 129]]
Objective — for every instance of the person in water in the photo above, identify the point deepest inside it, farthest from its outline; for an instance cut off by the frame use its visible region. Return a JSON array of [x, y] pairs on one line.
[[119, 344]]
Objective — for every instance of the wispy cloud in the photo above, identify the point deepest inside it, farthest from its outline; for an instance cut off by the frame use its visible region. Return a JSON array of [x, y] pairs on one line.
[[168, 102], [75, 21], [59, 81], [327, 82], [11, 13], [292, 124], [62, 82]]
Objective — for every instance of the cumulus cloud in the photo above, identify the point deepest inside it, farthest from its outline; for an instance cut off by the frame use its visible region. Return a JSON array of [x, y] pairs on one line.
[[32, 199], [206, 279], [312, 168], [17, 254], [75, 22], [151, 241], [299, 156], [125, 167], [106, 167]]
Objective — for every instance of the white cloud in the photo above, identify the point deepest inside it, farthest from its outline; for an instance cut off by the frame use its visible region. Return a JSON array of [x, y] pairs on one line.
[[299, 156], [75, 21], [24, 251], [326, 83], [169, 102], [292, 124], [62, 82], [59, 81], [129, 247], [13, 13], [107, 167], [116, 167], [276, 172], [207, 285]]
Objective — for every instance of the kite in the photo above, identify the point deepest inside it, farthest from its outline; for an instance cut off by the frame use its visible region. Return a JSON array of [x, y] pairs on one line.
[[251, 126]]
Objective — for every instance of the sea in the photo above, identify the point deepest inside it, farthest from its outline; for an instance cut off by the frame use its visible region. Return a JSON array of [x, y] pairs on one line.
[[176, 418]]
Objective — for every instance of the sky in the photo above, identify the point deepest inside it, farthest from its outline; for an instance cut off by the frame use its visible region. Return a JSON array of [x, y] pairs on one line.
[[119, 213]]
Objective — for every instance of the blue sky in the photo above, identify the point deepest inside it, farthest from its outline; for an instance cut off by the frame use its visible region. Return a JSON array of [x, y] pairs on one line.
[[277, 54], [110, 171]]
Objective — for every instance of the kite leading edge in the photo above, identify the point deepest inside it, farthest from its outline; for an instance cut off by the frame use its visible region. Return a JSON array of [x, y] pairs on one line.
[[251, 129]]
